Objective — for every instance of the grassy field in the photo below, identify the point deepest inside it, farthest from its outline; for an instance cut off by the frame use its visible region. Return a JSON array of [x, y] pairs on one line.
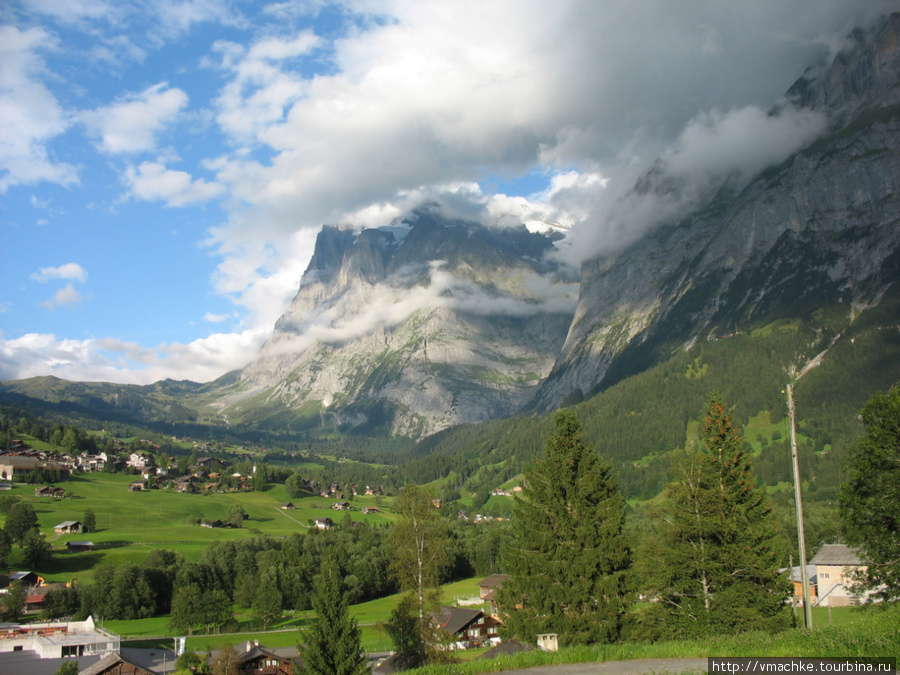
[[131, 524], [859, 632], [284, 633], [842, 632]]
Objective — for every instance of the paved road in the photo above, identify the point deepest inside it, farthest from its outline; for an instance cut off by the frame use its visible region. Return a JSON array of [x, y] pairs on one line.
[[636, 667]]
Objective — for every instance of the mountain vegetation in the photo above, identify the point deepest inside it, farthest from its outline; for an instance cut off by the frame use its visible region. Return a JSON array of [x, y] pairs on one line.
[[715, 558], [568, 558], [869, 502]]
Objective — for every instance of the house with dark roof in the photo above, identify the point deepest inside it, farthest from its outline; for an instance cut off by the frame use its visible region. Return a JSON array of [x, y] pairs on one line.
[[467, 628], [79, 546], [134, 662], [254, 659], [29, 579], [836, 565]]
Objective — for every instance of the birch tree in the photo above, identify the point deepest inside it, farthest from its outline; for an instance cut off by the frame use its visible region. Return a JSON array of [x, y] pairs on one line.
[[417, 543]]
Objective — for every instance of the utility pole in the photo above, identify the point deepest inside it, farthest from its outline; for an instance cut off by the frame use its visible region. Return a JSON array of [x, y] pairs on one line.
[[801, 537]]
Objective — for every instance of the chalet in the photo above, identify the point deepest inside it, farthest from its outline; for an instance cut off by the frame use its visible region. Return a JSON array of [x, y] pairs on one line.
[[370, 509], [137, 486], [129, 661], [68, 527], [50, 491], [288, 506], [467, 628], [29, 579], [91, 463], [836, 565], [210, 463], [341, 506], [79, 546], [34, 602], [324, 523], [254, 659], [487, 590], [185, 484]]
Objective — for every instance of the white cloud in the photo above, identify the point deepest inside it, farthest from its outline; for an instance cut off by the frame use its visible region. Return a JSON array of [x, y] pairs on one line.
[[421, 104], [363, 308], [153, 181], [447, 93], [67, 271], [132, 123], [261, 87], [30, 112], [111, 360], [746, 140], [64, 297], [215, 318]]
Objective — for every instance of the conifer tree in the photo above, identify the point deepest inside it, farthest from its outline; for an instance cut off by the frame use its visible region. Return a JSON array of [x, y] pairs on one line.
[[870, 500], [568, 559], [715, 555], [333, 638]]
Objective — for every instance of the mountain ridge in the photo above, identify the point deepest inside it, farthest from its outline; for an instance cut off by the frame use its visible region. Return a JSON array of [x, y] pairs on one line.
[[430, 322]]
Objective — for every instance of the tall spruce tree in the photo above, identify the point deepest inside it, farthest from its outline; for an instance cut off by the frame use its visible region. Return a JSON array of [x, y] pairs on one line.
[[715, 553], [568, 559], [333, 638], [870, 499]]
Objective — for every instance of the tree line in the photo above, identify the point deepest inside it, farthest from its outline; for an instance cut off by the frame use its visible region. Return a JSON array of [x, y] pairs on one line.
[[709, 563]]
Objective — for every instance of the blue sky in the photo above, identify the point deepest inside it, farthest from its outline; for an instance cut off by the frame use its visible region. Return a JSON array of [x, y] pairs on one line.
[[165, 165]]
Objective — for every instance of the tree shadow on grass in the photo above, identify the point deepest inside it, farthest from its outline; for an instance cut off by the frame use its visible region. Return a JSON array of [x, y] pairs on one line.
[[72, 563]]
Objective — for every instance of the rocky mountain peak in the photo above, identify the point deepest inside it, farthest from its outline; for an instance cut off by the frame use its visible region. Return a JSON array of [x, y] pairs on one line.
[[865, 70], [414, 326], [818, 230]]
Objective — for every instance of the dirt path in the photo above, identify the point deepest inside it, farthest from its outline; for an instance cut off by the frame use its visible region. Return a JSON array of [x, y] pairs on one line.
[[284, 513]]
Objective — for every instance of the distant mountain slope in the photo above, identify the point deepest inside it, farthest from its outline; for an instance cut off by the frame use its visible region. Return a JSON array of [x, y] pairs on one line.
[[410, 329], [816, 233]]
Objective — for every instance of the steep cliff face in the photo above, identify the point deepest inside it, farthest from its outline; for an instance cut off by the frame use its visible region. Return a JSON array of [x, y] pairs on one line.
[[412, 328], [822, 230], [428, 323]]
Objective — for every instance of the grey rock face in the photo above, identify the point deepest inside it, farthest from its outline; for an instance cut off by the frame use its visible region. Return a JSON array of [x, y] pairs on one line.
[[817, 229], [433, 322], [429, 323]]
